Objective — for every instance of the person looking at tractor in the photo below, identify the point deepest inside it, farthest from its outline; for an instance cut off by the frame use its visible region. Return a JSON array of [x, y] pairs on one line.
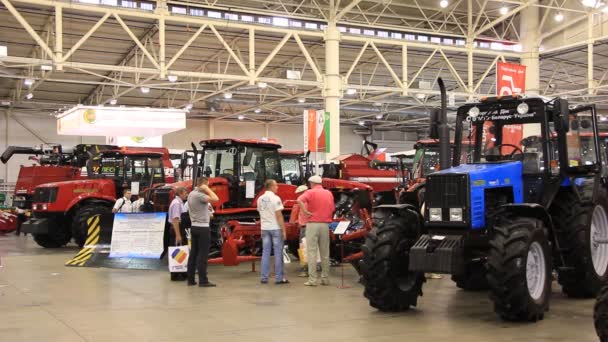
[[271, 208], [198, 206], [298, 216], [177, 233], [318, 205], [139, 203], [123, 204]]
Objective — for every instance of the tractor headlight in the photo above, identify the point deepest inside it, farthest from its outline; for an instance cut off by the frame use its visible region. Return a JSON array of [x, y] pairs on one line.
[[435, 214], [522, 108], [456, 214]]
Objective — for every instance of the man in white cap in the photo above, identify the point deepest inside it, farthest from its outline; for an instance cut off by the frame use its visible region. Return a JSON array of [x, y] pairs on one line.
[[318, 205]]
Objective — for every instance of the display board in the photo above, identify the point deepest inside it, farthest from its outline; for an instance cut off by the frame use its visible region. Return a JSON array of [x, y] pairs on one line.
[[137, 235]]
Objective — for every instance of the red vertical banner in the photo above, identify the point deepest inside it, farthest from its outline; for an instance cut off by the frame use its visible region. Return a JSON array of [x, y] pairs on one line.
[[315, 131], [510, 79]]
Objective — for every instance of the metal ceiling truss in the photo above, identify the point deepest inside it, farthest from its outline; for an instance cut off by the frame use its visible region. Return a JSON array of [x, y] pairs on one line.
[[381, 69]]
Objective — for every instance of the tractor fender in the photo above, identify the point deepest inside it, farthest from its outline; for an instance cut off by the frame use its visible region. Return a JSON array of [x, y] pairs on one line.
[[531, 210], [89, 198], [397, 209]]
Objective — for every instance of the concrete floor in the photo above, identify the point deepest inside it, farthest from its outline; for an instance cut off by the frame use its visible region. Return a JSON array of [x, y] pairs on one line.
[[42, 300]]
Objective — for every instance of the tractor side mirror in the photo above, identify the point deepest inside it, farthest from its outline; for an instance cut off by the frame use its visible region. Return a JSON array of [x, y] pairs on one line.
[[434, 130]]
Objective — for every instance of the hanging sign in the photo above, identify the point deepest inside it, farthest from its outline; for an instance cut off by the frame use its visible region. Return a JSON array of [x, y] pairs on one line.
[[316, 131], [510, 79]]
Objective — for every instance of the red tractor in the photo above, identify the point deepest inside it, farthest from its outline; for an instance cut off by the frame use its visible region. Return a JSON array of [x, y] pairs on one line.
[[237, 170], [61, 209]]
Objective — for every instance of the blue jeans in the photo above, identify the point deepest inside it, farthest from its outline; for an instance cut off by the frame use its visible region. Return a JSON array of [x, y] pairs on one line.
[[272, 239]]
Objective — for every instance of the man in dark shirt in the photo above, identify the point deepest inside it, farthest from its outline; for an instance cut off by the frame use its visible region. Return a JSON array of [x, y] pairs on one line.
[[198, 207]]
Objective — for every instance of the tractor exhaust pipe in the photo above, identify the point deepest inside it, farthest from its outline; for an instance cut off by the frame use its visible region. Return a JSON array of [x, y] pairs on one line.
[[444, 130]]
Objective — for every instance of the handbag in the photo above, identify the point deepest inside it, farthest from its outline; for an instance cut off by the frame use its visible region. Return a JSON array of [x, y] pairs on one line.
[[178, 259]]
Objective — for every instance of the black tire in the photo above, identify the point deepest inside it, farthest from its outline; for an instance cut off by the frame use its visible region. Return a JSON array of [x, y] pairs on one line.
[[513, 238], [58, 239], [80, 226], [474, 277], [600, 315], [389, 285], [572, 220]]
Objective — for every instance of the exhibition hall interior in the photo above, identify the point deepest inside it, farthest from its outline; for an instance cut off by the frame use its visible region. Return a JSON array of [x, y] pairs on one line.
[[329, 170]]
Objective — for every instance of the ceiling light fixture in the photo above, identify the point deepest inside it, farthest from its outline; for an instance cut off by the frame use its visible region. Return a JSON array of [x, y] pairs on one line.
[[444, 3], [144, 90], [504, 10], [113, 102], [377, 104], [28, 82], [592, 3], [361, 123], [241, 117], [301, 100], [189, 106], [46, 67], [262, 85], [227, 96], [379, 116], [559, 17], [29, 96], [172, 78], [257, 110], [351, 91]]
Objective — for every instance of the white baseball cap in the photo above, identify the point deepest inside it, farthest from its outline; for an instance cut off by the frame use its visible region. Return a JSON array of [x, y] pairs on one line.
[[315, 179], [301, 189]]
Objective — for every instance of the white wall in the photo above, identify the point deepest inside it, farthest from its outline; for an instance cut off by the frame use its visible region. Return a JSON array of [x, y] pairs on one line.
[[289, 136]]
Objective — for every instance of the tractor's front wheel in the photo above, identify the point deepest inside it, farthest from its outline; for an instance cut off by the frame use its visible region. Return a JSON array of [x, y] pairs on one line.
[[600, 315], [86, 221], [389, 284], [58, 237], [474, 277], [519, 269]]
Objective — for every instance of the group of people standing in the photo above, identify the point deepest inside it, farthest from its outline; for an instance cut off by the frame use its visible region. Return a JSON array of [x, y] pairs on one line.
[[314, 212]]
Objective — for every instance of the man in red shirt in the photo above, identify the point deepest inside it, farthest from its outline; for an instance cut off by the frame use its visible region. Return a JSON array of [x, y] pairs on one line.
[[318, 204]]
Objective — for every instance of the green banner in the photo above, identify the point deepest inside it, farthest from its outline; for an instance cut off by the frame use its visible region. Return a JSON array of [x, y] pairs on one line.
[[327, 132]]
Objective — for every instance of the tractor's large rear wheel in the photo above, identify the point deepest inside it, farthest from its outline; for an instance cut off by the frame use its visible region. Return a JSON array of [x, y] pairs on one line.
[[600, 315], [389, 285], [88, 217], [579, 227], [519, 269]]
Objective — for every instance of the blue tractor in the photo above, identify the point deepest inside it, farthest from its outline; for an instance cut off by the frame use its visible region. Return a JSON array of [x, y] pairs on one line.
[[529, 200]]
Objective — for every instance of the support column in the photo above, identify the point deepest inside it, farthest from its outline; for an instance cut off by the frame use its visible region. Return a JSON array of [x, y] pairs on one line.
[[530, 39], [590, 81], [162, 9], [332, 91], [211, 129], [58, 39], [266, 130], [7, 114]]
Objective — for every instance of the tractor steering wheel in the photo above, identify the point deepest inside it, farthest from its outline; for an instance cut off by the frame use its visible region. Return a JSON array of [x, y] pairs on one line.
[[498, 156]]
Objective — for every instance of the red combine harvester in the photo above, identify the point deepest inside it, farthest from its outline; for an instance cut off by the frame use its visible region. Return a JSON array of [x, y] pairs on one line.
[[370, 169], [61, 209], [237, 170], [54, 165]]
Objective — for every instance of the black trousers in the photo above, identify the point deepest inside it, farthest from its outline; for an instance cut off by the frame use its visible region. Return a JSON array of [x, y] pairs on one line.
[[199, 254]]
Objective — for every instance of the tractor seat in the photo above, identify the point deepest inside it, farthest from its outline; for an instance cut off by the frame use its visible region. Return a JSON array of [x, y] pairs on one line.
[[530, 161]]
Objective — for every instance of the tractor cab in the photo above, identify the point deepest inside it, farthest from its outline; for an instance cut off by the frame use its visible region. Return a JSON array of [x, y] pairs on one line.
[[126, 167], [239, 168], [293, 166]]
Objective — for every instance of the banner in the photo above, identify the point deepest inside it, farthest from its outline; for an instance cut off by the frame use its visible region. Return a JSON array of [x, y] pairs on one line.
[[510, 79], [138, 235], [316, 131]]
